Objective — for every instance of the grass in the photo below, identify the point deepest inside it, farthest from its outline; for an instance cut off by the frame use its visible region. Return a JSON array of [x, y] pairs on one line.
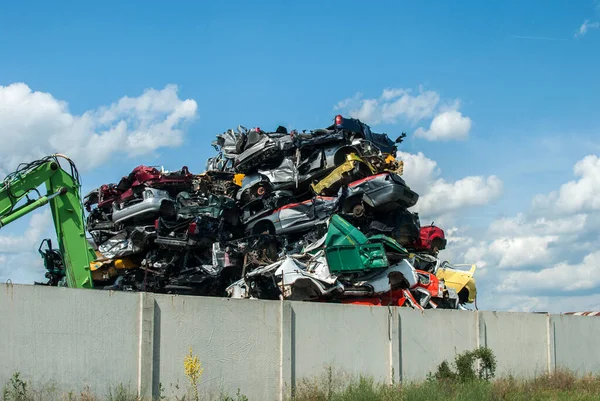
[[469, 377], [561, 385], [19, 389], [558, 386]]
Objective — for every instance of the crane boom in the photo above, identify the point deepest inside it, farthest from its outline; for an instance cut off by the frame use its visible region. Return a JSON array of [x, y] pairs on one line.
[[63, 196]]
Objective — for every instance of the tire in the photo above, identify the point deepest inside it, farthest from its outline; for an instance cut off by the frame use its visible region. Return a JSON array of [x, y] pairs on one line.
[[264, 227]]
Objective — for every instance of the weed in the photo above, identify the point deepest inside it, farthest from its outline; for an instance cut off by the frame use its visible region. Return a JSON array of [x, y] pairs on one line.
[[238, 397], [193, 371], [16, 389], [121, 394], [465, 372], [161, 392], [87, 395]]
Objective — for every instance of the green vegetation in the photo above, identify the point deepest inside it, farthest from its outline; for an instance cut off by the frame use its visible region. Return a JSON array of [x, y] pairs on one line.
[[469, 377], [559, 386]]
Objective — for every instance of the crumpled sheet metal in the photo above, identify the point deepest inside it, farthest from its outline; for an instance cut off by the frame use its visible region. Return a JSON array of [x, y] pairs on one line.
[[292, 278], [128, 242], [382, 281], [304, 281], [285, 172]]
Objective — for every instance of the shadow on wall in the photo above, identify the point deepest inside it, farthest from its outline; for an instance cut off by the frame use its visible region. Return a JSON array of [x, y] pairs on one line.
[[156, 385]]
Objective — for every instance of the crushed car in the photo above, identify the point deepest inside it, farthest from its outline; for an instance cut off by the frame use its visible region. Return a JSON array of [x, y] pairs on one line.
[[319, 215]]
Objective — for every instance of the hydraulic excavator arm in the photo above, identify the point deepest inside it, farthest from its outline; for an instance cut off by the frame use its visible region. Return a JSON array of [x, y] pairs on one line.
[[63, 196]]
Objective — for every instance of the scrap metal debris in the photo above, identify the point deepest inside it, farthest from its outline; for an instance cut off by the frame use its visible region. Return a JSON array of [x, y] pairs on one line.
[[320, 215]]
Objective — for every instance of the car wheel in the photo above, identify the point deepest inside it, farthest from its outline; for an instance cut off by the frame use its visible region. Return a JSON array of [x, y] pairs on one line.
[[264, 227], [261, 190], [358, 210]]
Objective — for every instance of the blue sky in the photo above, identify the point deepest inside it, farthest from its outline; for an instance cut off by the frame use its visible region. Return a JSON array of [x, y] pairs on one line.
[[523, 77]]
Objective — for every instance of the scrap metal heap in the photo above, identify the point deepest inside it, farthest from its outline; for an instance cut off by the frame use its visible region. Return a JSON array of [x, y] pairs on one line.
[[321, 215]]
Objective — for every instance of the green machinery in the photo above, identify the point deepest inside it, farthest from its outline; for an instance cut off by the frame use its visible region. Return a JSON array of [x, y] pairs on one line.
[[71, 262]]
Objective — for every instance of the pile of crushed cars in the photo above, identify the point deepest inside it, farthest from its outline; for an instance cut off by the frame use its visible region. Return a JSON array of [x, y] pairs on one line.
[[320, 215]]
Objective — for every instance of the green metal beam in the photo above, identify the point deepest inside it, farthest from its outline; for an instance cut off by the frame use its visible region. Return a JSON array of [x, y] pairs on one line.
[[27, 208], [63, 196]]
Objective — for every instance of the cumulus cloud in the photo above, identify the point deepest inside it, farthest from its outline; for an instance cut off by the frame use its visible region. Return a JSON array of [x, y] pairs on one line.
[[545, 258], [130, 126], [419, 170], [396, 104], [549, 254], [522, 225], [527, 241], [38, 224], [447, 125], [35, 124], [562, 276], [514, 252], [18, 260], [445, 196], [586, 26], [392, 105], [504, 253], [582, 195], [22, 268], [438, 196]]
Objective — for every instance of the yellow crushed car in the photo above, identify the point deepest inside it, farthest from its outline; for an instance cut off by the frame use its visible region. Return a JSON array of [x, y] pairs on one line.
[[461, 281], [354, 168]]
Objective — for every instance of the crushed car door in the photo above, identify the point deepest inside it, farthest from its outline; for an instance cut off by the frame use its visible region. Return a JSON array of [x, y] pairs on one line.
[[296, 214]]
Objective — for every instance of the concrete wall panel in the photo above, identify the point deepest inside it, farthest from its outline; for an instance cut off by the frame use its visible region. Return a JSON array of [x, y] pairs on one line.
[[519, 341], [430, 337], [237, 341], [351, 339], [78, 338], [575, 339], [74, 338]]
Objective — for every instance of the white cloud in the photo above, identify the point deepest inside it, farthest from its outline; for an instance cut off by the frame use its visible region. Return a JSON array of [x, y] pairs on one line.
[[586, 26], [514, 252], [38, 225], [447, 125], [552, 249], [419, 171], [437, 196], [520, 225], [506, 252], [392, 105], [22, 268], [562, 276], [582, 195], [476, 254], [444, 197], [526, 241], [540, 259], [19, 260], [130, 126], [396, 104], [525, 302]]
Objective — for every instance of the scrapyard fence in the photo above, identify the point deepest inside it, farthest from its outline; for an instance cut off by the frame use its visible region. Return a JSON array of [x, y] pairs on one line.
[[95, 338]]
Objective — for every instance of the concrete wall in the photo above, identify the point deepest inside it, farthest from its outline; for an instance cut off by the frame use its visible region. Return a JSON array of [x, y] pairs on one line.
[[427, 338], [70, 337], [237, 342], [77, 338], [519, 340], [574, 342]]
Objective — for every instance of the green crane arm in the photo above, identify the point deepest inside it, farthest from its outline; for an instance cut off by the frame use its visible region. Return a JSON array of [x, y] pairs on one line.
[[63, 196]]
